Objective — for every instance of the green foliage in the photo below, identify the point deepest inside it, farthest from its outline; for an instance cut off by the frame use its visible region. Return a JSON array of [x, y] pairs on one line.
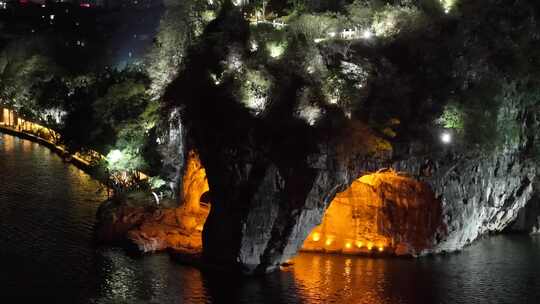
[[156, 182], [395, 19], [24, 67], [297, 6], [100, 109], [255, 90], [313, 26], [452, 118], [360, 13], [130, 142], [516, 122], [180, 24]]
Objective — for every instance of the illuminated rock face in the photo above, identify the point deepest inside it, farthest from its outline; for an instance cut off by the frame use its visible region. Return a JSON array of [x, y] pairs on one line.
[[149, 228], [177, 228], [172, 151], [479, 195], [194, 184], [380, 213], [273, 176], [485, 192], [443, 209], [262, 214]]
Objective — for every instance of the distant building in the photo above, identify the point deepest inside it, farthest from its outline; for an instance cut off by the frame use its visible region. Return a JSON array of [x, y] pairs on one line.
[[7, 117]]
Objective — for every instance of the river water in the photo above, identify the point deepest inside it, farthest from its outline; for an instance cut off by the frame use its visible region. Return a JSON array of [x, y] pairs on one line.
[[47, 213]]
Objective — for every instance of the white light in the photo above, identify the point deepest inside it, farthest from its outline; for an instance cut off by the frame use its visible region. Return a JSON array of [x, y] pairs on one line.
[[446, 137], [216, 79], [367, 34], [156, 197], [253, 46], [447, 5], [275, 50], [332, 34], [114, 156]]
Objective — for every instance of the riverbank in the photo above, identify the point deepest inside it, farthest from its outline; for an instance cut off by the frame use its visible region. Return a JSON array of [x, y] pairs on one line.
[[138, 223], [62, 152]]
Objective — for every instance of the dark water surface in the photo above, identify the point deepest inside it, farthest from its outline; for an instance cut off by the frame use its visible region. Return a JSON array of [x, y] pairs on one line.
[[47, 212]]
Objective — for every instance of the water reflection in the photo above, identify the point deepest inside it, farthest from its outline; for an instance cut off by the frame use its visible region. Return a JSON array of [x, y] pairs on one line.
[[341, 279], [7, 143]]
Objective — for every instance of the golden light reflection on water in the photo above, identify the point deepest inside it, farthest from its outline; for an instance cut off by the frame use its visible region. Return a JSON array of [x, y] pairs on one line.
[[334, 279], [8, 143], [26, 146]]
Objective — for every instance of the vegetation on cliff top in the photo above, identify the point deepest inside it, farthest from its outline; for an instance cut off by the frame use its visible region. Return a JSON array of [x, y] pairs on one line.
[[394, 71]]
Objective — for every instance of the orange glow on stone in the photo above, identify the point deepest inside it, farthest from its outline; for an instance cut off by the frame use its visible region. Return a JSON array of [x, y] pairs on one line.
[[316, 237], [179, 229], [381, 211]]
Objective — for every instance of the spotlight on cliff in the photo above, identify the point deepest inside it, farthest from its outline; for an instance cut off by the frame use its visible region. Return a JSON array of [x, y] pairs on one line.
[[446, 138]]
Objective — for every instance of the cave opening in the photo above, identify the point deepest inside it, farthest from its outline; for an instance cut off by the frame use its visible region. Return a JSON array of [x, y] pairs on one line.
[[382, 213]]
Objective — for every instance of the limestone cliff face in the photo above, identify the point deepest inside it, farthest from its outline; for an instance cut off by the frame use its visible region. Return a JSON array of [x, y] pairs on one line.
[[262, 212], [479, 195], [273, 173], [271, 176], [485, 192], [138, 221], [486, 197], [270, 188], [171, 147]]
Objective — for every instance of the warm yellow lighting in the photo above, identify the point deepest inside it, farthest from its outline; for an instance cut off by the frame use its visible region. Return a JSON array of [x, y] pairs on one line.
[[316, 236], [356, 215]]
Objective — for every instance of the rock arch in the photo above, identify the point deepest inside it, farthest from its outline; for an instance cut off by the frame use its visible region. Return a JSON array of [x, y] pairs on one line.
[[380, 213]]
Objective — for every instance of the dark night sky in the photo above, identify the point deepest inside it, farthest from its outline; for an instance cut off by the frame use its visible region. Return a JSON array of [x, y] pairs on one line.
[[115, 36]]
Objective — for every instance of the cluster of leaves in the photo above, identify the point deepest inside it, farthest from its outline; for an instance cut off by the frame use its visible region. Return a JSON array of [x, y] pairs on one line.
[[428, 64]]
